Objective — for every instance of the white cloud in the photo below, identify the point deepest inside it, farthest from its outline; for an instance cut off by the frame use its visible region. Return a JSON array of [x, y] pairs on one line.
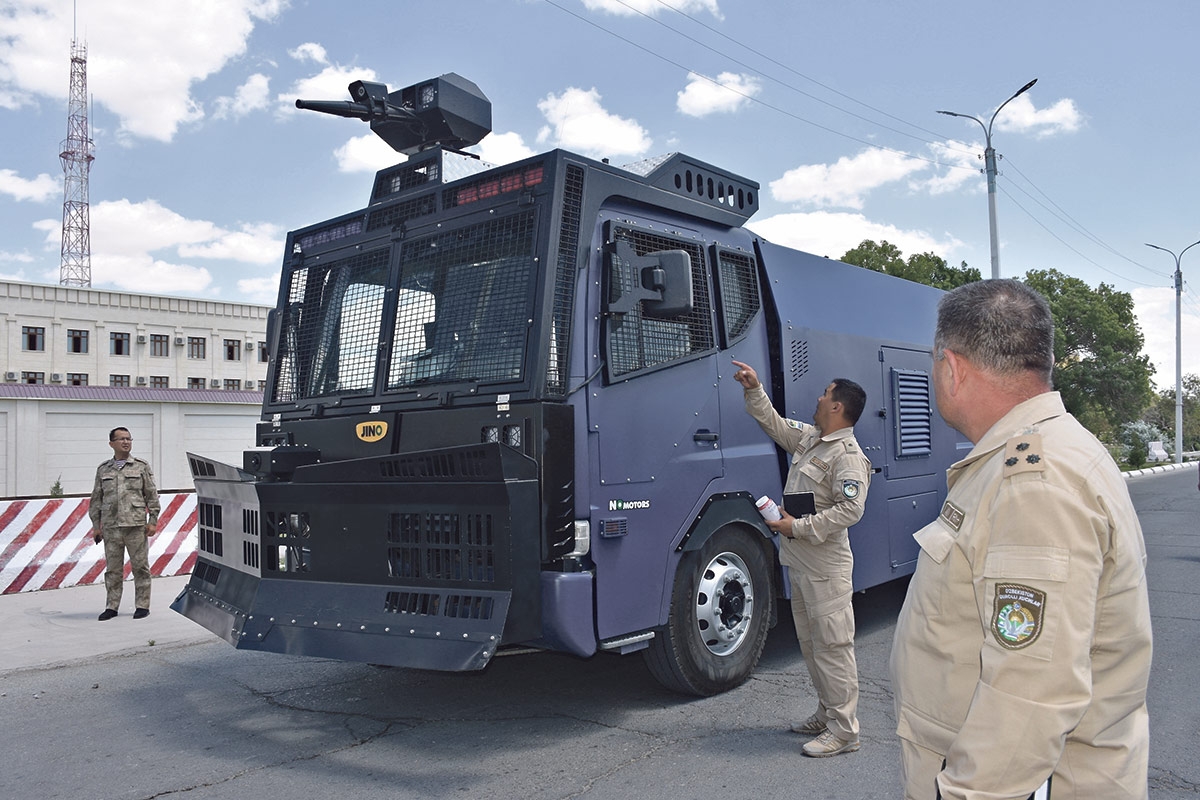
[[253, 95], [141, 65], [827, 233], [846, 182], [628, 8], [309, 51], [366, 153], [39, 189], [702, 96], [960, 163], [502, 148], [1021, 116], [1155, 311], [578, 122], [145, 247], [259, 290]]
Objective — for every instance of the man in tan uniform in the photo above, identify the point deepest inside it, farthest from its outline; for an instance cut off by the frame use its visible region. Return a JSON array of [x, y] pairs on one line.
[[827, 461], [1022, 652], [124, 511]]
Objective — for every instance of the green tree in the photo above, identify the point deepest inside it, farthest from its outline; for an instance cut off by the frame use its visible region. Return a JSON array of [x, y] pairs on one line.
[[1161, 413], [1099, 369], [925, 268]]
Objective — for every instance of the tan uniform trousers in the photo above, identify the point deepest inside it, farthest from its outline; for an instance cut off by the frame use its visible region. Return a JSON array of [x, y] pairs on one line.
[[116, 542], [823, 613]]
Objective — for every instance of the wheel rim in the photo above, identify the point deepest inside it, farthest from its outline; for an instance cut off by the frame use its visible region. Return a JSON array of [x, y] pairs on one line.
[[724, 604]]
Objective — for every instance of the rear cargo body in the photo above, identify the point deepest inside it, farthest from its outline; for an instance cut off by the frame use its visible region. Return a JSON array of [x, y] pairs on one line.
[[500, 412]]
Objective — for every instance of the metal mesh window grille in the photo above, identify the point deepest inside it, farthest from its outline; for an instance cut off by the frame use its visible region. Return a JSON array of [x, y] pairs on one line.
[[564, 282], [405, 176], [442, 547], [914, 413], [739, 293], [639, 339], [330, 328], [464, 304], [398, 213]]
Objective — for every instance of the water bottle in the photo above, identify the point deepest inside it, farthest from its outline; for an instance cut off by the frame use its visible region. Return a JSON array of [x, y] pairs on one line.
[[768, 508]]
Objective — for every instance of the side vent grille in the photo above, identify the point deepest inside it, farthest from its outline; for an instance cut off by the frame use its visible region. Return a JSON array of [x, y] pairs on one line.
[[429, 604], [799, 360], [914, 413]]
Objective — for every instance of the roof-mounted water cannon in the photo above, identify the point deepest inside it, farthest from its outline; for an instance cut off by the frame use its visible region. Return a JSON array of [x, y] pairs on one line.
[[448, 111]]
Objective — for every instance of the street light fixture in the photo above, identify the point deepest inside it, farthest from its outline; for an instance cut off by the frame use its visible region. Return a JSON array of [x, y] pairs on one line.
[[989, 161], [1178, 348]]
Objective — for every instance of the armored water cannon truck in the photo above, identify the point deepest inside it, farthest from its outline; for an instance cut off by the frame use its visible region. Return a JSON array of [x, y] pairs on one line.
[[500, 414]]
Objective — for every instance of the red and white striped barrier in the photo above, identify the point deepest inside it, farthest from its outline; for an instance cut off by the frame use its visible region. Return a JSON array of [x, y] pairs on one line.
[[47, 543]]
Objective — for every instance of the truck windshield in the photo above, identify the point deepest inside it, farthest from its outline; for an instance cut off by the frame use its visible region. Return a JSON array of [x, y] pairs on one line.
[[462, 313]]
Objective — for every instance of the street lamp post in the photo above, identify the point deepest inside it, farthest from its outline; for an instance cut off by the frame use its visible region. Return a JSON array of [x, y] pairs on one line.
[[989, 163], [1178, 348]]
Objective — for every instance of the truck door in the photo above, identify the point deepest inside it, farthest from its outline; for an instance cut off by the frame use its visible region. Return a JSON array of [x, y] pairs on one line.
[[908, 448], [653, 421]]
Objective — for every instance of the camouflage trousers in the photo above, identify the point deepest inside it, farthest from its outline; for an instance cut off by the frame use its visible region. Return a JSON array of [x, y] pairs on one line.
[[116, 542]]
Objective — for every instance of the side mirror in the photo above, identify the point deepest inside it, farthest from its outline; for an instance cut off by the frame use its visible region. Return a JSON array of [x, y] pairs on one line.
[[665, 284]]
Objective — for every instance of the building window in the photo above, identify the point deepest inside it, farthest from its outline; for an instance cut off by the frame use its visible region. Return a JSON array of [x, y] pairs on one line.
[[196, 347], [262, 386], [33, 338], [195, 383], [160, 382], [159, 344], [118, 345], [33, 377], [119, 380], [263, 356], [77, 378], [77, 341], [233, 350], [232, 384]]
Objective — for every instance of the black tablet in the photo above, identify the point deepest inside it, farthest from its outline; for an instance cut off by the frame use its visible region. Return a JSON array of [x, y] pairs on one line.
[[798, 504]]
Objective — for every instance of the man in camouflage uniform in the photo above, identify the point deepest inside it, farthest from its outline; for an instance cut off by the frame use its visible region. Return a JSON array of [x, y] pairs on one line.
[[124, 512], [828, 462], [1022, 653]]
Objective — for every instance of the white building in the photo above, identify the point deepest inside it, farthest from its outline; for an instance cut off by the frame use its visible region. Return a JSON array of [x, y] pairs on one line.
[[182, 374]]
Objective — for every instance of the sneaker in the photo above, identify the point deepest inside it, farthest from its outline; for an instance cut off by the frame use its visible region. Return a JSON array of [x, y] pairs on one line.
[[828, 744], [141, 612], [811, 726], [106, 614]]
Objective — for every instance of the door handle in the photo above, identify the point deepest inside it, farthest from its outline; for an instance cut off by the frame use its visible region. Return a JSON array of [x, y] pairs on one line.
[[705, 435]]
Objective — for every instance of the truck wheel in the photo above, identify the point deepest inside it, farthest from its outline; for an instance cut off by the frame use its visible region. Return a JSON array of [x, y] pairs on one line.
[[720, 614]]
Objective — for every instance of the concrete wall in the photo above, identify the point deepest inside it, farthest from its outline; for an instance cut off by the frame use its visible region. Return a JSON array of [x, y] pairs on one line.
[[43, 440]]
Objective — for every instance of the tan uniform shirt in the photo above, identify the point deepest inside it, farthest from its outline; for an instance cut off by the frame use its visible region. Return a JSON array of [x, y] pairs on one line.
[[1023, 648], [123, 497], [835, 470]]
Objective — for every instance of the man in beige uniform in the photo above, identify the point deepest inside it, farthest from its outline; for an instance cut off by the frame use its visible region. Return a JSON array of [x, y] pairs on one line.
[[1022, 652], [124, 511], [827, 461]]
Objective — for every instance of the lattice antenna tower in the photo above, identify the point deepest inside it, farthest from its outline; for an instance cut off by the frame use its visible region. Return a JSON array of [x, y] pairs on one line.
[[77, 156]]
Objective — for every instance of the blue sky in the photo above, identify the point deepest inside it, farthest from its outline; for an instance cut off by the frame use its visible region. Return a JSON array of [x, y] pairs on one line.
[[203, 163]]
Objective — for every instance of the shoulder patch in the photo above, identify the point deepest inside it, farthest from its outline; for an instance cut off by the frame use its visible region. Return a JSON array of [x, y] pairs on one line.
[[1017, 614], [851, 489], [1023, 453], [952, 515], [792, 423]]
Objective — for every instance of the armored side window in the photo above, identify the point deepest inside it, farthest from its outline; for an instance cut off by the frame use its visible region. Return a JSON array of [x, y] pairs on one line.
[[738, 296]]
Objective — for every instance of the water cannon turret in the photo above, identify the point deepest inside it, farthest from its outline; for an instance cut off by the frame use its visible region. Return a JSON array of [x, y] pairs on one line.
[[448, 111]]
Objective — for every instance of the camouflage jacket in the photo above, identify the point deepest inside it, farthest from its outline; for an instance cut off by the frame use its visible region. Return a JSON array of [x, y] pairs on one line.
[[123, 496]]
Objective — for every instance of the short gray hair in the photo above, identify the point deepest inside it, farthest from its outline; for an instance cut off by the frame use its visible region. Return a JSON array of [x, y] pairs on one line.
[[1001, 325]]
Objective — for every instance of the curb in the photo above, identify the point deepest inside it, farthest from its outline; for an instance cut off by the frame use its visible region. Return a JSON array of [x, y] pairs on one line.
[[1155, 470]]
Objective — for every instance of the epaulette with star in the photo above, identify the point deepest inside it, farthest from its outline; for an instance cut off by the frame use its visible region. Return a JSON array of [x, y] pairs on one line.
[[1023, 453]]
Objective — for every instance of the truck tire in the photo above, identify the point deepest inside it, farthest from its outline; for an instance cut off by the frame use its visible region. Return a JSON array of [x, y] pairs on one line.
[[719, 618]]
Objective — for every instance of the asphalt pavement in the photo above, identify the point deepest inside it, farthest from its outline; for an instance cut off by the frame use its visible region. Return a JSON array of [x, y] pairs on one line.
[[58, 626]]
